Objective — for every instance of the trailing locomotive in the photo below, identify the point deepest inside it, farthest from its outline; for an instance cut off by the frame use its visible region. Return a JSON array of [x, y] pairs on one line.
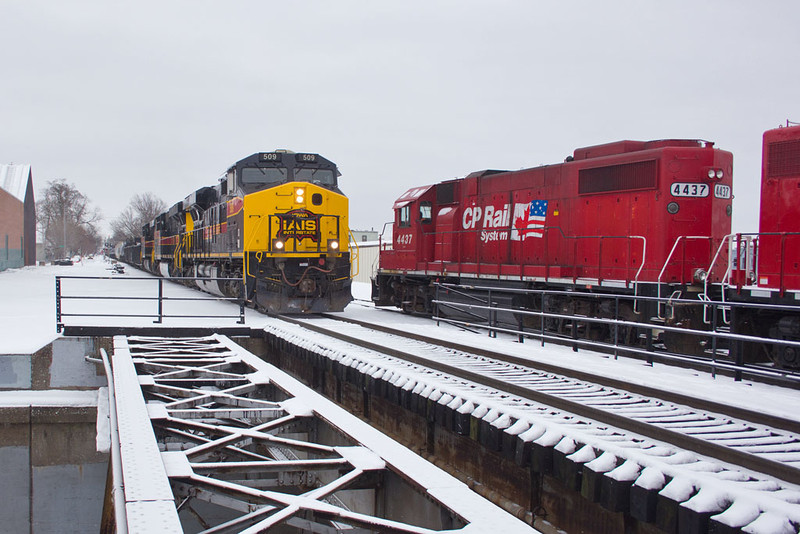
[[767, 276], [274, 230]]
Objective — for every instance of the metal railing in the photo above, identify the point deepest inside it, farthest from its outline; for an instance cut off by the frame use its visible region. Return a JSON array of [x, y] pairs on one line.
[[483, 313], [158, 297], [579, 245]]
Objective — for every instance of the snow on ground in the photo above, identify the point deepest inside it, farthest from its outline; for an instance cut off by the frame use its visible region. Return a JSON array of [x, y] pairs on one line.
[[27, 323], [49, 397], [28, 313]]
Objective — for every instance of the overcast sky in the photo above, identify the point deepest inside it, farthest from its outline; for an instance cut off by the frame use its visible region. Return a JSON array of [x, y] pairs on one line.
[[121, 98]]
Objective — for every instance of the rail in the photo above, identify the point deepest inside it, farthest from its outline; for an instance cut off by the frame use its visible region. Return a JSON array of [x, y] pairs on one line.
[[159, 297], [715, 355]]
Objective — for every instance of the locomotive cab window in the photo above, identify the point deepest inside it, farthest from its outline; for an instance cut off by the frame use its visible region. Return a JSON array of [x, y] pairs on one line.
[[425, 212], [405, 216], [230, 178], [315, 176], [263, 175]]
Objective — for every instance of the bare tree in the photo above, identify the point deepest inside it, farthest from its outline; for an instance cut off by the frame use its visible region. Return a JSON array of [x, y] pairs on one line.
[[66, 220], [142, 209]]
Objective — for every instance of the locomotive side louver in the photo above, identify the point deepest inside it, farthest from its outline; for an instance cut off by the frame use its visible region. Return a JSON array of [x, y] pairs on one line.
[[626, 177], [783, 159]]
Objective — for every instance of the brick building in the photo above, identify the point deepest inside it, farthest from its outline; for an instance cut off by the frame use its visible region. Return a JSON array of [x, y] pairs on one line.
[[17, 217]]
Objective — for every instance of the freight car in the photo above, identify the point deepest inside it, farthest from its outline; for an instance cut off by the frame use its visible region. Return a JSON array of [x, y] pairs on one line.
[[273, 230]]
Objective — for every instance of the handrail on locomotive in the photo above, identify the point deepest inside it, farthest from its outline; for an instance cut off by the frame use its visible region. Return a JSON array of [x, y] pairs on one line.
[[629, 281], [355, 253]]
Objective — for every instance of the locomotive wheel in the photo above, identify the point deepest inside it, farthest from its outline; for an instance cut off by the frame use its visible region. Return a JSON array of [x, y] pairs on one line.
[[786, 358], [690, 317], [234, 287], [415, 300], [680, 343], [756, 323], [528, 303]]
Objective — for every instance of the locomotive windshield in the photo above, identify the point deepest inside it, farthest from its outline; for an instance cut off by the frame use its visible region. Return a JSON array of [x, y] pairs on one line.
[[263, 175], [315, 176]]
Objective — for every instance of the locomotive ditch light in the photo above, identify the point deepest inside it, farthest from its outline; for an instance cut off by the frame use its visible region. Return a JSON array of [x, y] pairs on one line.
[[278, 244], [700, 276], [333, 244], [673, 208]]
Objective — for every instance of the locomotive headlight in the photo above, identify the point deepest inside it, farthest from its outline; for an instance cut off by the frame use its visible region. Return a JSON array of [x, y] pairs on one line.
[[719, 174], [712, 173], [299, 195]]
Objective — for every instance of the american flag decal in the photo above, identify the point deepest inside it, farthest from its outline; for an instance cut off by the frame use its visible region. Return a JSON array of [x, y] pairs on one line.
[[536, 218], [529, 220]]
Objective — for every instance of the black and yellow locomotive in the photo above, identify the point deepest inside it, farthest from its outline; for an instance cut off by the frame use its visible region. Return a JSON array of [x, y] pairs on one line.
[[275, 227]]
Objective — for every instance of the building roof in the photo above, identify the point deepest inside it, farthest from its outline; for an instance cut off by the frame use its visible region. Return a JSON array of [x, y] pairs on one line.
[[14, 179]]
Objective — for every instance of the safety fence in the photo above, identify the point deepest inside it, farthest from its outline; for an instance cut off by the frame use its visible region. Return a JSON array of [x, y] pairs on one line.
[[695, 332], [91, 291]]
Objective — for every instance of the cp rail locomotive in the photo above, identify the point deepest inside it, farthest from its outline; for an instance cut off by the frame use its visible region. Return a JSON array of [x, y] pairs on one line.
[[766, 278], [630, 219], [274, 230]]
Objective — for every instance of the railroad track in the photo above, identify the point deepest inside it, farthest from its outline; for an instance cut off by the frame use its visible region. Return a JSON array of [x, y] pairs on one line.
[[743, 442], [714, 364], [699, 404]]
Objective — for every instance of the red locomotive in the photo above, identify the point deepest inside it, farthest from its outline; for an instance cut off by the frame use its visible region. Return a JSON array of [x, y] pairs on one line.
[[780, 210], [631, 218], [768, 274]]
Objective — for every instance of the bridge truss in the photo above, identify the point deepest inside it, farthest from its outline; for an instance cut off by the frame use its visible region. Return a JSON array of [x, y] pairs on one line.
[[213, 439]]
